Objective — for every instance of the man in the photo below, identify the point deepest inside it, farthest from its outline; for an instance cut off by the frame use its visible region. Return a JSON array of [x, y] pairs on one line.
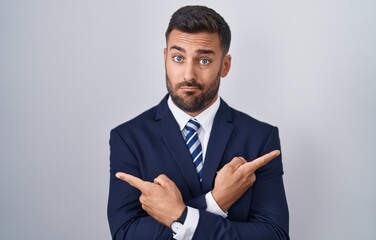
[[187, 168]]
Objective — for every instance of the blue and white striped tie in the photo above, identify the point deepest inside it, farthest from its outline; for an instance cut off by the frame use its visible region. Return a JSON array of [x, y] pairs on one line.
[[194, 145]]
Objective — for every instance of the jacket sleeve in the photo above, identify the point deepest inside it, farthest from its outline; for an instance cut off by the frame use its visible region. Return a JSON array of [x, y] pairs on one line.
[[268, 214], [126, 217]]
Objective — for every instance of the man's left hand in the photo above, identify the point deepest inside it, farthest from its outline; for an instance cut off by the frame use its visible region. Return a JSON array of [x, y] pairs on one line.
[[161, 199]]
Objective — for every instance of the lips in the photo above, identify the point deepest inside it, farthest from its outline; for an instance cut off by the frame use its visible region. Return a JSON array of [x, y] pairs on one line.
[[189, 86]]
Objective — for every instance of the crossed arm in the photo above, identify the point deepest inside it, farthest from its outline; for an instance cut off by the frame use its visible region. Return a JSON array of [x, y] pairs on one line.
[[162, 200]]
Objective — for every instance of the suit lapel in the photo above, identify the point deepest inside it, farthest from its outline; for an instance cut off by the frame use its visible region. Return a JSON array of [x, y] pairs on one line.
[[219, 137], [168, 128]]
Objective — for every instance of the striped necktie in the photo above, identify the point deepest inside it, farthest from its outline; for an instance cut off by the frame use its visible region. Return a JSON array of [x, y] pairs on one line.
[[194, 145]]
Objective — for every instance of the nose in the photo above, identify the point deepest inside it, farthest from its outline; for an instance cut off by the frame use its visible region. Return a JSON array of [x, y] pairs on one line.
[[189, 72]]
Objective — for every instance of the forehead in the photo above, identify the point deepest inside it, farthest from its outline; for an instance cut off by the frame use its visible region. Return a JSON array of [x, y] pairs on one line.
[[194, 41]]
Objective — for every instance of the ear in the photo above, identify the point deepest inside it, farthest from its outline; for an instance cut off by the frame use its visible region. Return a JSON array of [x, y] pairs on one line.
[[165, 55], [226, 65]]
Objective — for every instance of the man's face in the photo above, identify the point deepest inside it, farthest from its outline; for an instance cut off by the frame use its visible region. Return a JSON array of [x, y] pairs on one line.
[[194, 66]]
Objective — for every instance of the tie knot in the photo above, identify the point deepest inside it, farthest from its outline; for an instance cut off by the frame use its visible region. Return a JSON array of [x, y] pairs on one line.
[[192, 125]]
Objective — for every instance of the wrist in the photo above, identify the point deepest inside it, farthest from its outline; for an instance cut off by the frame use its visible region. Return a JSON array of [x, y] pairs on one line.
[[213, 207], [218, 199], [183, 215], [178, 223]]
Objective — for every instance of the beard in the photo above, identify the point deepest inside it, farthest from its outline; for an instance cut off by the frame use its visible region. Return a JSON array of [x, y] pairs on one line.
[[191, 102]]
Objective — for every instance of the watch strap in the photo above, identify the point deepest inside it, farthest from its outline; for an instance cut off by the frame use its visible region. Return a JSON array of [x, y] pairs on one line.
[[183, 216]]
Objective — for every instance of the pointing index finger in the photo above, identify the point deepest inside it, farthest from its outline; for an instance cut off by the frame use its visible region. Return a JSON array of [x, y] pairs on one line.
[[263, 160], [132, 180]]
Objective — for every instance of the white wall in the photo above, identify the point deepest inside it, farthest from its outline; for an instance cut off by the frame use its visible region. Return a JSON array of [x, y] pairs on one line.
[[72, 70]]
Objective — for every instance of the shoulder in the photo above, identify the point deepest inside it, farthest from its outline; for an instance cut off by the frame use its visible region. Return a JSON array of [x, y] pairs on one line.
[[146, 119], [247, 123], [139, 122], [256, 134]]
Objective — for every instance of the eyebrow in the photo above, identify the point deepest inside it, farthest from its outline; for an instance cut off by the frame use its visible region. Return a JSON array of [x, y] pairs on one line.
[[205, 51], [200, 51]]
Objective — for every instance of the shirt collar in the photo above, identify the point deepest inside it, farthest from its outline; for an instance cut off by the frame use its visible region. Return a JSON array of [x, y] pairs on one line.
[[205, 118]]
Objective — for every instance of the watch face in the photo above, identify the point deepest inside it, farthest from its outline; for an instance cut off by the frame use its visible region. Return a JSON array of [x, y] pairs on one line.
[[175, 226]]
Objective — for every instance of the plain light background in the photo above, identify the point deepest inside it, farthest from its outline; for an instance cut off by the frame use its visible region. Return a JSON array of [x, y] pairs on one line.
[[70, 71]]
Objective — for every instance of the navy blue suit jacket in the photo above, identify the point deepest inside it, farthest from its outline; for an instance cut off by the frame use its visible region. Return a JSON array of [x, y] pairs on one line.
[[152, 144]]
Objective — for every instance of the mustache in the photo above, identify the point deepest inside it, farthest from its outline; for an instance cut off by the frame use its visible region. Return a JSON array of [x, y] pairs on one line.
[[189, 84]]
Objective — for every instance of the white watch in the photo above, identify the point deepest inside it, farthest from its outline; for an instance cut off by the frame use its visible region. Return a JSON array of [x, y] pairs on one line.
[[175, 226]]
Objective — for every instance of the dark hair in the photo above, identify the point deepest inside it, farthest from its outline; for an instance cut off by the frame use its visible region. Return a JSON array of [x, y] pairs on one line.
[[195, 19]]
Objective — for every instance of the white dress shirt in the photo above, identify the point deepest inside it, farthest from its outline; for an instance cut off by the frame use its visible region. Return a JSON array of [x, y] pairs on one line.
[[206, 119]]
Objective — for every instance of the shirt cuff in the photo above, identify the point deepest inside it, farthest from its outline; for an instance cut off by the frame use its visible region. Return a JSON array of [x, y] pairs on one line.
[[188, 229], [213, 207]]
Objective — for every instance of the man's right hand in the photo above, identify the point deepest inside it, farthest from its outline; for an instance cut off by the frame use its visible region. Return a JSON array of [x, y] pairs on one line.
[[236, 177]]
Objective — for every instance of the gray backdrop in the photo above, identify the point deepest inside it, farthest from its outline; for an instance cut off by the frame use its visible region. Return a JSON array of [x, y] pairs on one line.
[[72, 70]]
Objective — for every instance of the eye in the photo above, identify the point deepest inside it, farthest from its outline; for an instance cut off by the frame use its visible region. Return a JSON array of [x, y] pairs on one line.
[[177, 58], [204, 61]]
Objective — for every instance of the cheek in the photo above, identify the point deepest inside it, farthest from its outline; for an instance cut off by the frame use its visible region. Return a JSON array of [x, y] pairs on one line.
[[209, 75], [172, 72]]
